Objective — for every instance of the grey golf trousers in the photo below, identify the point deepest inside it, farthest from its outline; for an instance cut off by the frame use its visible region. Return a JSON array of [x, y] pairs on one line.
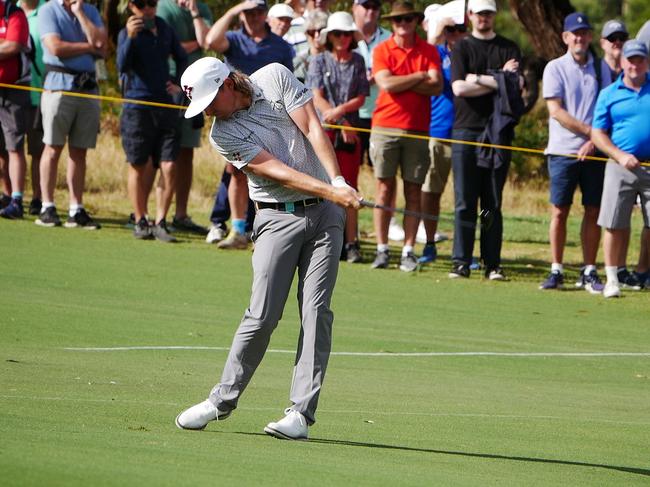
[[309, 240]]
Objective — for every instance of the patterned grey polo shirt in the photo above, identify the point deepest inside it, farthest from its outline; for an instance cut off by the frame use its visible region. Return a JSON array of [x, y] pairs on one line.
[[266, 125]]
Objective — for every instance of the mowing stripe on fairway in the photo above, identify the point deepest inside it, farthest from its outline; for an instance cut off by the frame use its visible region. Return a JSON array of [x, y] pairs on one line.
[[514, 417], [378, 354]]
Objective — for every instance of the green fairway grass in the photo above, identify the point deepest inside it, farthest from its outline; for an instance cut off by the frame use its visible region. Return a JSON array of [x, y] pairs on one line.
[[80, 417]]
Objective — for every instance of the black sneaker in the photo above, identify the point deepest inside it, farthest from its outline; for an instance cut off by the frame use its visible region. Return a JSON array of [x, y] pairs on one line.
[[495, 274], [629, 280], [82, 219], [142, 230], [49, 218], [14, 210], [161, 232], [4, 200], [35, 206], [186, 224], [382, 260], [459, 271], [353, 253]]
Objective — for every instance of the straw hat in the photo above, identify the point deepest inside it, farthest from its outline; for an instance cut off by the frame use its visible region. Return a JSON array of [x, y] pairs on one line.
[[400, 9], [339, 21]]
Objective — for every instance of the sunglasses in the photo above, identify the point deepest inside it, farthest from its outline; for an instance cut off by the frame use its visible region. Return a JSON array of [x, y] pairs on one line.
[[456, 28], [403, 18], [617, 37], [371, 6], [312, 32], [141, 3], [341, 33]]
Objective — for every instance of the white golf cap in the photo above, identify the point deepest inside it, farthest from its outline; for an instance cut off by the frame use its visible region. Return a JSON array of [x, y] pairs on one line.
[[339, 21], [201, 82], [482, 5], [280, 10]]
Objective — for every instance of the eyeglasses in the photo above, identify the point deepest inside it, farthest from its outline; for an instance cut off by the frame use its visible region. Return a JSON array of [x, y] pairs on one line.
[[403, 18], [341, 33], [312, 32], [142, 3], [456, 28], [617, 38]]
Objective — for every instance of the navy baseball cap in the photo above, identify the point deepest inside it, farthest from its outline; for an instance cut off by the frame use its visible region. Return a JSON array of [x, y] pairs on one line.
[[576, 21], [635, 47], [363, 2]]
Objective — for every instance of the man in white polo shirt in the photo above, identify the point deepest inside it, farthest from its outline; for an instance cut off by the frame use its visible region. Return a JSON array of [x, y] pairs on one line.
[[571, 86]]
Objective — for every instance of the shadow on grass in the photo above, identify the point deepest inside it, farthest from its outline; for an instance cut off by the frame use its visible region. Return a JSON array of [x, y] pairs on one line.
[[490, 456]]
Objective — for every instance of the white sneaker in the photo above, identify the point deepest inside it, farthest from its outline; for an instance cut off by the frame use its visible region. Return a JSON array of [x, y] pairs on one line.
[[198, 416], [292, 427], [612, 290], [216, 234], [395, 231]]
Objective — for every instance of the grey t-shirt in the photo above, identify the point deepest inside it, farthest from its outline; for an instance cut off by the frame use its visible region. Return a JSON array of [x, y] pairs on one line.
[[340, 81], [266, 125]]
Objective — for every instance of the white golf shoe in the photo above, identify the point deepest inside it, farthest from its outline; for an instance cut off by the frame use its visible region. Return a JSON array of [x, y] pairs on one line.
[[198, 416], [292, 427], [612, 290]]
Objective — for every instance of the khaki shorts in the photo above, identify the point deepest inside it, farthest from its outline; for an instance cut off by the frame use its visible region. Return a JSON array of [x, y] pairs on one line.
[[76, 119], [388, 152], [619, 195], [440, 153]]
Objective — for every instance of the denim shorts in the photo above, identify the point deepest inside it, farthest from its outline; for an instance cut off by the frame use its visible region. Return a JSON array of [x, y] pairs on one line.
[[567, 173], [146, 133]]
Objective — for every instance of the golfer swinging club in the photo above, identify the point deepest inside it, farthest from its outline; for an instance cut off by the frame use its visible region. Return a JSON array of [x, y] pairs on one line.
[[266, 125]]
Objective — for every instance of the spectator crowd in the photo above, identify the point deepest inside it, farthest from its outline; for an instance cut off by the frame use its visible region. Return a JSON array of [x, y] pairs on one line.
[[462, 83]]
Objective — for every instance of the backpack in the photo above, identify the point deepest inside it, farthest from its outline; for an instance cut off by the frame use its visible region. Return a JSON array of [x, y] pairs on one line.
[[27, 57]]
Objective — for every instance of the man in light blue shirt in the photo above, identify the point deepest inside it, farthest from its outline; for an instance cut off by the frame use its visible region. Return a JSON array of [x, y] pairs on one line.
[[570, 89], [621, 130], [73, 36]]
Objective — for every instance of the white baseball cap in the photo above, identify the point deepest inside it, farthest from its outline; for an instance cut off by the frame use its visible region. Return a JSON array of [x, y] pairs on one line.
[[482, 5], [201, 82], [280, 10]]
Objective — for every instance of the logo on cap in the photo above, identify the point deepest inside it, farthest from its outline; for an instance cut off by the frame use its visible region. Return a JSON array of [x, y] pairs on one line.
[[188, 91]]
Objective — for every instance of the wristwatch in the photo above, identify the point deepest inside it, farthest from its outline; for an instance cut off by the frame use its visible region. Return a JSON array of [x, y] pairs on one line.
[[477, 80]]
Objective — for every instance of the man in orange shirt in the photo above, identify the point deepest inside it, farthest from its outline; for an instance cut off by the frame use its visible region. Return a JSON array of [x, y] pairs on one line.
[[407, 72]]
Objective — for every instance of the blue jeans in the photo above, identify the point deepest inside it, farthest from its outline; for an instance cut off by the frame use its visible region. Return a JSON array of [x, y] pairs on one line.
[[221, 209], [472, 183]]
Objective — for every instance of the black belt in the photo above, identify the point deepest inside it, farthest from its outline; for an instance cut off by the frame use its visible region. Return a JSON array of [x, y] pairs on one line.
[[290, 207]]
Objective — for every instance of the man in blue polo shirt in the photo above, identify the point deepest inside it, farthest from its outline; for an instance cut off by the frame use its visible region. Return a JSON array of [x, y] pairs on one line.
[[73, 36], [621, 130], [570, 89], [247, 49]]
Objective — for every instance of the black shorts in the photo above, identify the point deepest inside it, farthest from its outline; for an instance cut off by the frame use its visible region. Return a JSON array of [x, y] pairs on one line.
[[150, 132], [13, 117]]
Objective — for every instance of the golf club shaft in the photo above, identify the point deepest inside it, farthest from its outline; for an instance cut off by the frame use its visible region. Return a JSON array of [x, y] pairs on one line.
[[403, 211]]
